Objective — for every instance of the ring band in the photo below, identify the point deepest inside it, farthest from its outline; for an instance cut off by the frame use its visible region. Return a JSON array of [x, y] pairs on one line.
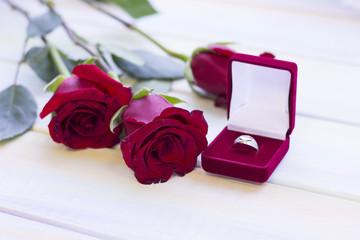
[[245, 141]]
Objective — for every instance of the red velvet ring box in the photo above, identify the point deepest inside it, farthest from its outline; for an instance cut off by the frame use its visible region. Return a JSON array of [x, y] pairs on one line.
[[261, 103]]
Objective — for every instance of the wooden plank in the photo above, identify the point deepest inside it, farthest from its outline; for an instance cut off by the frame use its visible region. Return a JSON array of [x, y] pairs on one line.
[[93, 191], [308, 32], [17, 228], [323, 158]]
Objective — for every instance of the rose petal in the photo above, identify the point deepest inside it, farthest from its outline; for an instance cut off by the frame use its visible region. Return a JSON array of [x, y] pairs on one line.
[[195, 118], [143, 111], [55, 130], [210, 72], [190, 158], [91, 94], [94, 74], [164, 178], [74, 83], [221, 49]]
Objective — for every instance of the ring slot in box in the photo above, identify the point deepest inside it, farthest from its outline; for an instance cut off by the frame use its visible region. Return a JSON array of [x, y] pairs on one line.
[[261, 103]]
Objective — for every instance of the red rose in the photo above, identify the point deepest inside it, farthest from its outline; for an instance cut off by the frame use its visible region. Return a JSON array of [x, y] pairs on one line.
[[83, 106], [209, 70], [161, 139]]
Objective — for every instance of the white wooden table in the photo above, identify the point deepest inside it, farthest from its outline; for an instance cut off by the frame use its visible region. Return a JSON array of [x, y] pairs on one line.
[[50, 192]]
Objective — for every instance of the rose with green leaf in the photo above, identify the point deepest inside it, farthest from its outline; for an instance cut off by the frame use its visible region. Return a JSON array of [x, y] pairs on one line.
[[82, 107], [161, 139]]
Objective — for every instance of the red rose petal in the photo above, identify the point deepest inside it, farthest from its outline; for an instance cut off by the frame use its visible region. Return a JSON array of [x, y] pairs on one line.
[[210, 72], [190, 158], [74, 83], [144, 110], [114, 88], [195, 118], [221, 49], [91, 94]]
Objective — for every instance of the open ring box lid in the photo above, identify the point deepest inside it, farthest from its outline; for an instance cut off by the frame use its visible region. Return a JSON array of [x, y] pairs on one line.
[[261, 98]]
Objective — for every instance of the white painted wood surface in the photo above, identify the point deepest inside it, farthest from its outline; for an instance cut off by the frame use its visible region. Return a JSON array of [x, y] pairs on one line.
[[55, 193], [17, 228]]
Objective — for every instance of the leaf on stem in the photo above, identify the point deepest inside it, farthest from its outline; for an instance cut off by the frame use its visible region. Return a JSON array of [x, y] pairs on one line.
[[158, 86], [116, 119], [135, 8], [156, 67], [40, 60], [126, 55], [42, 25], [54, 84], [171, 99], [17, 111], [141, 93], [90, 60], [70, 63]]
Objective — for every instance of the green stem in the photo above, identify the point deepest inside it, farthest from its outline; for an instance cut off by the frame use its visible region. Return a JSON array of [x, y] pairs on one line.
[[54, 52], [75, 39], [21, 60], [171, 53], [136, 29]]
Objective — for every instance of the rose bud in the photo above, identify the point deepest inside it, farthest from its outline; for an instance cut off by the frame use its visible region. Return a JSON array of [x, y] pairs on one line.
[[161, 139], [208, 70], [82, 108]]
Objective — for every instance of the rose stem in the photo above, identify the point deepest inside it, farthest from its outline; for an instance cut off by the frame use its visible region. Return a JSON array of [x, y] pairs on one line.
[[54, 52], [15, 7], [136, 29], [76, 40], [21, 60], [24, 12]]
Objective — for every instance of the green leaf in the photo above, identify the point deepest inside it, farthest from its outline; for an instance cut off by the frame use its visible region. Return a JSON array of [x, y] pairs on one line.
[[17, 111], [135, 8], [158, 86], [42, 25], [125, 54], [70, 63], [90, 60], [171, 99], [40, 60], [116, 119], [156, 67], [141, 93], [54, 84]]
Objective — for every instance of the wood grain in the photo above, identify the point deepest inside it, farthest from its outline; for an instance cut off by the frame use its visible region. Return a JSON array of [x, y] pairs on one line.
[[16, 228], [93, 191]]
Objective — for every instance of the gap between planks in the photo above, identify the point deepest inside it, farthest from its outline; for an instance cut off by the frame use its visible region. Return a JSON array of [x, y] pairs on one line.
[[98, 195]]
